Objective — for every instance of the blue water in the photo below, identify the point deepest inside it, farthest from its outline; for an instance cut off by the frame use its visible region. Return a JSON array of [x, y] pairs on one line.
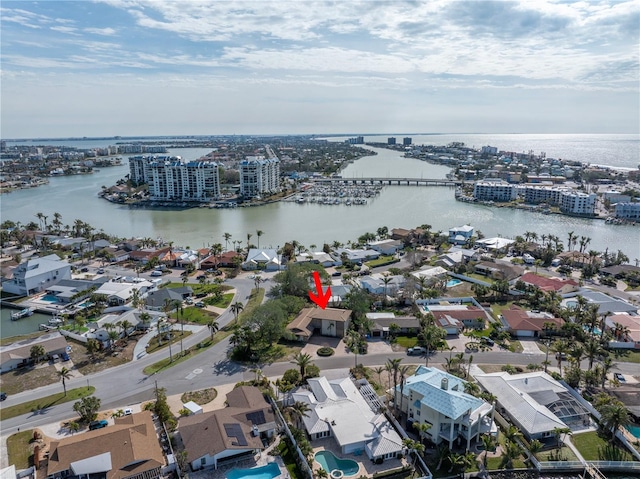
[[329, 462], [49, 298], [453, 282], [264, 472], [634, 430]]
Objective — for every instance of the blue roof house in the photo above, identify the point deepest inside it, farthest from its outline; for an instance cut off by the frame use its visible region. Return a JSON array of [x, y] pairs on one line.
[[437, 398]]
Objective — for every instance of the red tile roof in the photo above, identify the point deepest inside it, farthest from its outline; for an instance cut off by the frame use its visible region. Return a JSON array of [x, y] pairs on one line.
[[545, 283]]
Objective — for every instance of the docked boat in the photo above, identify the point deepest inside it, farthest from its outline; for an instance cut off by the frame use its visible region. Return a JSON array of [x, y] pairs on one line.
[[23, 313], [55, 321]]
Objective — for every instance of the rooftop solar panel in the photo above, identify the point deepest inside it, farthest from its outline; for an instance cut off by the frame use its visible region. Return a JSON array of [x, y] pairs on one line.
[[256, 417], [235, 431]]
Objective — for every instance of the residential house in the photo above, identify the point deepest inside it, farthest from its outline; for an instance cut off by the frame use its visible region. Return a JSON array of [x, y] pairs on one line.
[[157, 299], [382, 324], [226, 435], [606, 304], [339, 294], [263, 259], [116, 255], [528, 324], [228, 259], [387, 246], [578, 259], [339, 410], [456, 256], [37, 274], [434, 397], [625, 329], [356, 256], [619, 270], [546, 284], [328, 322], [375, 283], [536, 403], [144, 256], [499, 270], [68, 290], [460, 234], [120, 293], [319, 257], [127, 450], [497, 244], [431, 274], [18, 354]]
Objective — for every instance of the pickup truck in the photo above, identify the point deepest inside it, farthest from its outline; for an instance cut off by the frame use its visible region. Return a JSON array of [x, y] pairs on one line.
[[416, 351]]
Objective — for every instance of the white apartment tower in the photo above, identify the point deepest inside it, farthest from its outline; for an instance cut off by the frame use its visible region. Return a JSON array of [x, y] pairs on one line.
[[259, 175], [494, 190], [578, 203]]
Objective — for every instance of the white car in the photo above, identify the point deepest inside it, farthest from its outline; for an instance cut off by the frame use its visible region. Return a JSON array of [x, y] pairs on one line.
[[156, 273], [128, 411]]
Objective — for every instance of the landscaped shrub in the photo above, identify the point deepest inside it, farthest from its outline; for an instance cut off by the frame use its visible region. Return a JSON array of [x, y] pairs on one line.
[[325, 351]]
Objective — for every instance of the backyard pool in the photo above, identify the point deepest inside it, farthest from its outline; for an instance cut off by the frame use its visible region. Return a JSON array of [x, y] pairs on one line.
[[634, 430], [331, 463], [453, 282], [270, 471], [49, 298]]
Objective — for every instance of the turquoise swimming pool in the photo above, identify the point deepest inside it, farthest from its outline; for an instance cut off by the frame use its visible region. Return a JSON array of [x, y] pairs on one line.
[[330, 462], [270, 471], [634, 430], [453, 282]]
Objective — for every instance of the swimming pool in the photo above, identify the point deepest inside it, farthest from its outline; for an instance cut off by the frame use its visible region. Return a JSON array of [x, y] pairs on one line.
[[634, 430], [330, 462], [49, 298], [269, 471], [453, 282]]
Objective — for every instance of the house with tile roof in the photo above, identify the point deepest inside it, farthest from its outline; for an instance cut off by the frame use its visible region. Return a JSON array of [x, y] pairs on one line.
[[437, 398], [331, 322], [18, 354], [529, 324], [339, 410], [127, 450], [559, 285], [229, 434], [536, 403]]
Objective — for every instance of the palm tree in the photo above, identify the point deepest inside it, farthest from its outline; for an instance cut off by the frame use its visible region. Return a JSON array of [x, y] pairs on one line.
[[236, 308], [559, 432], [126, 326], [414, 447], [487, 443], [227, 237], [422, 428], [379, 370], [258, 234], [560, 347], [302, 360], [249, 235], [213, 327], [64, 374], [393, 366], [535, 447], [297, 411], [607, 365], [256, 281], [613, 417]]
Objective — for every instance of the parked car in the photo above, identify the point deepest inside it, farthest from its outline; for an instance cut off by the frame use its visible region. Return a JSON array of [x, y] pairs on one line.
[[336, 273], [416, 350], [488, 341], [156, 272], [64, 356], [98, 424], [3, 396], [84, 270], [619, 377], [188, 301], [199, 304], [128, 411]]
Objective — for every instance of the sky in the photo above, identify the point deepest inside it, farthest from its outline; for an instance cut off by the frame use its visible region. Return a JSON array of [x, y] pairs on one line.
[[129, 67]]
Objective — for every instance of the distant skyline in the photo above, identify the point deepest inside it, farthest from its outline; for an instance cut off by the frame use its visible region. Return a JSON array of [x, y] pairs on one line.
[[151, 68]]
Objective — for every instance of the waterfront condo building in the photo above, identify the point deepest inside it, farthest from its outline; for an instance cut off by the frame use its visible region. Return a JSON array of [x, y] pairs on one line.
[[578, 203], [629, 211], [494, 190], [542, 194], [259, 175], [177, 181], [37, 274]]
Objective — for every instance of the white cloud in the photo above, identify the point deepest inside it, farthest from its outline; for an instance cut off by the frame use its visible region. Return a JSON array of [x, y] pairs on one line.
[[108, 31]]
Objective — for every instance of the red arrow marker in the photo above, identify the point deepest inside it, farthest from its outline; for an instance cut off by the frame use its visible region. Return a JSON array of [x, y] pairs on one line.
[[321, 299]]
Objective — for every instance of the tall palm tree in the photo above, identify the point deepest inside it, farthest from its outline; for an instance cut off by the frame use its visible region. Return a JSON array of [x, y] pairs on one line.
[[535, 447], [249, 235], [393, 365], [227, 237], [487, 443], [258, 234], [297, 411], [214, 327], [422, 428], [64, 374], [613, 417], [302, 360], [236, 308]]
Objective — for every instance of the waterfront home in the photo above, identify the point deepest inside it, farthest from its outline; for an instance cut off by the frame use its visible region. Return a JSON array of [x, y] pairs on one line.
[[339, 410], [460, 234], [620, 270], [228, 435], [145, 255], [228, 259], [357, 256], [528, 324], [606, 304], [118, 255], [496, 244], [319, 257], [387, 246], [578, 259], [498, 270], [263, 259], [328, 322], [546, 284], [37, 274], [69, 290], [129, 449], [437, 398], [18, 354], [536, 403]]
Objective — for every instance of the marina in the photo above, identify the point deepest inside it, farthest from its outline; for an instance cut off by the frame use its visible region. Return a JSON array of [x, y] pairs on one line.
[[335, 194], [23, 313]]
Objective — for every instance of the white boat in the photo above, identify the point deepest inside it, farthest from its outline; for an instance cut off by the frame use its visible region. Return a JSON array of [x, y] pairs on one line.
[[55, 321], [23, 313]]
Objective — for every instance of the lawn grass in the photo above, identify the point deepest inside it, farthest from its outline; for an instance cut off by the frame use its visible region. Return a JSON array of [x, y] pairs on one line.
[[630, 357], [195, 315], [42, 404], [200, 397], [223, 302], [567, 453], [588, 444], [497, 308], [154, 345], [406, 341], [289, 459], [255, 300], [382, 261], [19, 449]]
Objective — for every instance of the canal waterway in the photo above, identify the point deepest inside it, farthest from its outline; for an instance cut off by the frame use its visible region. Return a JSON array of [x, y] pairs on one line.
[[75, 197]]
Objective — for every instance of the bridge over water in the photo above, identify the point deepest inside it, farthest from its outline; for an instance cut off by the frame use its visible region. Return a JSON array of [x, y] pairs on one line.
[[388, 181]]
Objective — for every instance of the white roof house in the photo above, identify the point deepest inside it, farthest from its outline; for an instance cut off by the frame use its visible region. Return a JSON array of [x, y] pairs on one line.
[[121, 293], [536, 402], [431, 273], [267, 259], [339, 410], [375, 283], [496, 243], [37, 274]]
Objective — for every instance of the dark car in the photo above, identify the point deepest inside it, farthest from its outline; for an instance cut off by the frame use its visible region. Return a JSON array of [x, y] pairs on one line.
[[488, 341], [84, 270], [98, 424], [336, 273], [3, 396], [64, 356]]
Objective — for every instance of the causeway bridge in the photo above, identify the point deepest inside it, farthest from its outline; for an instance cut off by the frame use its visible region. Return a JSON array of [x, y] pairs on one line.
[[335, 180]]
